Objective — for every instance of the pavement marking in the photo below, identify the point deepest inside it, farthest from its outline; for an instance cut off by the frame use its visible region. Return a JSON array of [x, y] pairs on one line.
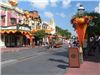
[[12, 61], [4, 63]]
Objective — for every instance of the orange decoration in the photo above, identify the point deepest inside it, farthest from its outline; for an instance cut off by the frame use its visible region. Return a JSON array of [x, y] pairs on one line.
[[13, 2], [79, 20], [27, 15], [81, 26]]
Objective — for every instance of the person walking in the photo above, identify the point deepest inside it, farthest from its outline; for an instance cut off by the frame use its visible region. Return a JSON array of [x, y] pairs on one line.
[[99, 43], [84, 46], [92, 46]]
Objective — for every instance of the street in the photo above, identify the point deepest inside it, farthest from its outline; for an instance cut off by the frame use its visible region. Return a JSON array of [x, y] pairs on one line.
[[40, 61]]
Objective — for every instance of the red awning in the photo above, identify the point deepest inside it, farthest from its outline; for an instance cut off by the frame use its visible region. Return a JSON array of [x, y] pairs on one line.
[[27, 36]]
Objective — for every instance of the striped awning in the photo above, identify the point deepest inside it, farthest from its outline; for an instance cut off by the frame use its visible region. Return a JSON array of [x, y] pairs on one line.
[[27, 34], [7, 31]]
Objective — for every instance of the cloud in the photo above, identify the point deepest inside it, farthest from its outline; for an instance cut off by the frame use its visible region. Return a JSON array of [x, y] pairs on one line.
[[49, 14], [78, 4], [66, 3], [53, 3], [97, 9], [61, 15], [41, 4]]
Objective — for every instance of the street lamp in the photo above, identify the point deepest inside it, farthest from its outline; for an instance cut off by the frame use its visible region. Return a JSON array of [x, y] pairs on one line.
[[81, 10]]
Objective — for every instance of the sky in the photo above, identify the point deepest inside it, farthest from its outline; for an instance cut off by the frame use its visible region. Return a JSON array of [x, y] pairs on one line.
[[61, 10]]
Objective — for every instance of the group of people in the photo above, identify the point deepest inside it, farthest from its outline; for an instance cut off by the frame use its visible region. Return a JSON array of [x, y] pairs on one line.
[[94, 44], [89, 46], [74, 43]]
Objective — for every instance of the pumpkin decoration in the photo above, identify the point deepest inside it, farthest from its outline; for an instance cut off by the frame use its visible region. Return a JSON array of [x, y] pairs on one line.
[[13, 2], [27, 15]]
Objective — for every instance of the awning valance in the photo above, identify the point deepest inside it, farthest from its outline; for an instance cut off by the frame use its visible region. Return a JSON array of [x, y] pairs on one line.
[[27, 34], [7, 31]]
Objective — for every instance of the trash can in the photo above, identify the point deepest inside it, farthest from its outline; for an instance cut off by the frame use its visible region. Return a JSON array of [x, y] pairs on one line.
[[74, 61]]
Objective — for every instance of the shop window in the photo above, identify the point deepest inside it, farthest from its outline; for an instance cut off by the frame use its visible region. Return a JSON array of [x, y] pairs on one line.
[[13, 20]]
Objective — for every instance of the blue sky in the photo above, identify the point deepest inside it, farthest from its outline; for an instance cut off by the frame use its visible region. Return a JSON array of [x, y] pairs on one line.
[[60, 10]]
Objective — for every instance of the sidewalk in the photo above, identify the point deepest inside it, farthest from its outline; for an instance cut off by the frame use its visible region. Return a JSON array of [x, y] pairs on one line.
[[91, 66], [13, 49]]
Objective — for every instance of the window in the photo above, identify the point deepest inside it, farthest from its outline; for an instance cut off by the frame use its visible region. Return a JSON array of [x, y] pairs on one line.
[[3, 18], [13, 20]]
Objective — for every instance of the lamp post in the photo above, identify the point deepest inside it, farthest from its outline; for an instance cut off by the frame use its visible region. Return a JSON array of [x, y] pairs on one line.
[[81, 22], [81, 10]]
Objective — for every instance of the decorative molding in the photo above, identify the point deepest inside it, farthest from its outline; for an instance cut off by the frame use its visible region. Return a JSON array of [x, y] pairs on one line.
[[8, 27]]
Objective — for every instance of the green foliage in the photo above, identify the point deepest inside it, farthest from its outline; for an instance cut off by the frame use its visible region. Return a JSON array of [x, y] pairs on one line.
[[96, 21], [62, 32], [40, 34]]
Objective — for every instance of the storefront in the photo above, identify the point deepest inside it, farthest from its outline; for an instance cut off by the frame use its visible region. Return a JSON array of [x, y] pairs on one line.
[[15, 36]]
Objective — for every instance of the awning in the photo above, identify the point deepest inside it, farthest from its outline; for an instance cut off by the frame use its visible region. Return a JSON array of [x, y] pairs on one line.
[[7, 31], [27, 34]]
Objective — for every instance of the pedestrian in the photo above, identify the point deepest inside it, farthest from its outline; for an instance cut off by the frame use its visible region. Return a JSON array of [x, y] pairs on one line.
[[91, 46], [84, 46], [69, 43], [99, 43], [50, 43]]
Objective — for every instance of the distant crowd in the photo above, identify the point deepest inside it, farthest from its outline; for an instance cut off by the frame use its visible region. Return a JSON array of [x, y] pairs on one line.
[[90, 46]]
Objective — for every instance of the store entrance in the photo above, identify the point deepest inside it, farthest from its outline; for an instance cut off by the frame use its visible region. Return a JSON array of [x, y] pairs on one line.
[[10, 40]]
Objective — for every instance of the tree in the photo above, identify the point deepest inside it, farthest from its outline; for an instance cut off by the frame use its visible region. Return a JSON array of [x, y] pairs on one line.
[[96, 21], [40, 34], [67, 34], [63, 32]]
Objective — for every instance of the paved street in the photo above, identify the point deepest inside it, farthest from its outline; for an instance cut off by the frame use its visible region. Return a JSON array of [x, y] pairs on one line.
[[40, 61]]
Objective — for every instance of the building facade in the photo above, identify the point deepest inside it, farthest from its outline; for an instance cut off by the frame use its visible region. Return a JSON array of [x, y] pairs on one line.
[[14, 28], [17, 27]]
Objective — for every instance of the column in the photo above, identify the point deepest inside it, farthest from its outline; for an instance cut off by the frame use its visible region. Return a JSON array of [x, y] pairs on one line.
[[6, 18], [2, 41], [41, 25], [31, 41]]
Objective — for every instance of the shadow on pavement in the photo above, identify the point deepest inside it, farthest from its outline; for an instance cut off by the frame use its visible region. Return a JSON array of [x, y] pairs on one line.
[[64, 53], [62, 66], [93, 58], [58, 60]]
